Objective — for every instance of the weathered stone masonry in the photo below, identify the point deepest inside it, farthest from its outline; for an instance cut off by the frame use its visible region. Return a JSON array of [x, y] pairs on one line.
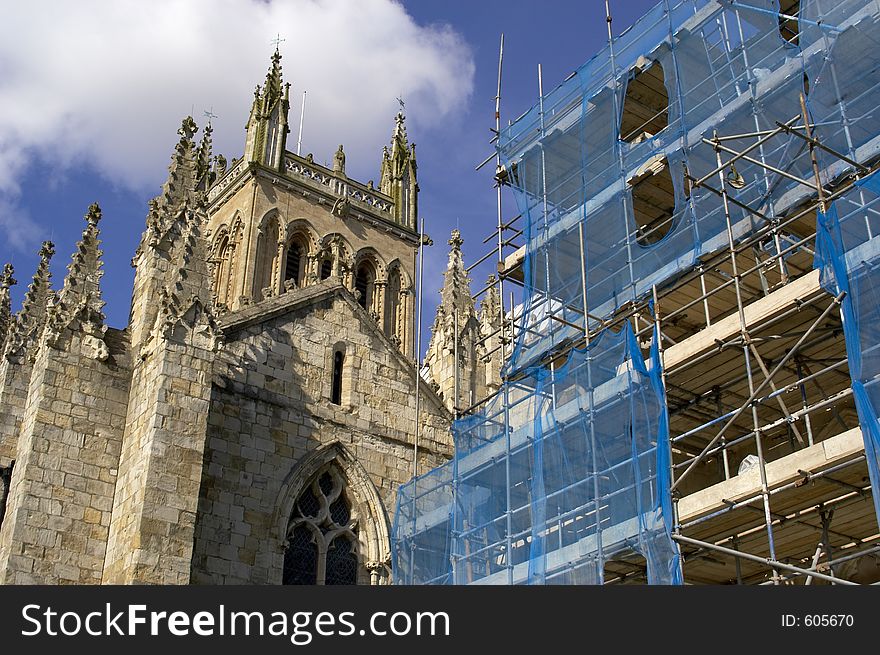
[[253, 421]]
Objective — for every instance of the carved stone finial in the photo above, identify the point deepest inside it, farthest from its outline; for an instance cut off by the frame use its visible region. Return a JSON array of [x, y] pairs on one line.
[[6, 279], [79, 304], [47, 250], [93, 216], [455, 240], [339, 161], [188, 128]]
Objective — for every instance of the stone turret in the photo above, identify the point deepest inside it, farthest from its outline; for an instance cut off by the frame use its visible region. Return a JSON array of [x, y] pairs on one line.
[[67, 452], [79, 307], [204, 176], [398, 175], [182, 191], [267, 125], [160, 466], [476, 377], [16, 358], [490, 333], [30, 320]]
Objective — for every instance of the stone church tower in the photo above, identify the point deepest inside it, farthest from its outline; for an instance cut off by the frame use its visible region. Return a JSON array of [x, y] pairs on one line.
[[252, 422]]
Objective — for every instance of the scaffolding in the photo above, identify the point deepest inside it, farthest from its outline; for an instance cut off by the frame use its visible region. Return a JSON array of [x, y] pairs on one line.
[[690, 392]]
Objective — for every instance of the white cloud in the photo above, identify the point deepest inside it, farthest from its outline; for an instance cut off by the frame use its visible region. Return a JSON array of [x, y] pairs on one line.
[[20, 231], [108, 82]]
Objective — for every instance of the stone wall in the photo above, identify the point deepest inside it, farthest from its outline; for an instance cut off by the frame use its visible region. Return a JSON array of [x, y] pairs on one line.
[[271, 412], [154, 509], [58, 507], [15, 377]]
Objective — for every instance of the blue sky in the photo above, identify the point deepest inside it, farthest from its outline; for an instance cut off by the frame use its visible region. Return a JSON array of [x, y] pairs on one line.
[[91, 94]]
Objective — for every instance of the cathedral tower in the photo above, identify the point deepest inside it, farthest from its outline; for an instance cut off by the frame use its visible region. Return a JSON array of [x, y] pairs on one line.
[[278, 221]]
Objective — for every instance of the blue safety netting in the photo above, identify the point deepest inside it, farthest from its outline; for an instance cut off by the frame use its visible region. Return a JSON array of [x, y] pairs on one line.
[[566, 469], [848, 256], [568, 466], [422, 529], [727, 71]]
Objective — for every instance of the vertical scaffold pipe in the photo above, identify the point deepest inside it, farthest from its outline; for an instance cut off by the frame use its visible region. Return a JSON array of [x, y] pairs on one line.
[[418, 350]]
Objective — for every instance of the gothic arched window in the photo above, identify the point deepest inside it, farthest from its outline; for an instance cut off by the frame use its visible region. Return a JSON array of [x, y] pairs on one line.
[[267, 252], [364, 281], [294, 265], [336, 381], [392, 303], [322, 534], [326, 268], [222, 264]]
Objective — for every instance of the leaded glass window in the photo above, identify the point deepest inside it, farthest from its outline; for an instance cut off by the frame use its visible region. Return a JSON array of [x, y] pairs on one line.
[[322, 541]]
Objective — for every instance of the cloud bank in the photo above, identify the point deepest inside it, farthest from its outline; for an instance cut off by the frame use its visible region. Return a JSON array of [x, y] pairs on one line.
[[105, 84]]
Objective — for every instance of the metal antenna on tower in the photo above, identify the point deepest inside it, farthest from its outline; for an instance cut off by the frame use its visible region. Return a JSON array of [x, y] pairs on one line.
[[302, 115]]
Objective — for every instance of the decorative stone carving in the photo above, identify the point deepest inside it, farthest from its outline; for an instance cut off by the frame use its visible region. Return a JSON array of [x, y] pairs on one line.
[[339, 161], [341, 207]]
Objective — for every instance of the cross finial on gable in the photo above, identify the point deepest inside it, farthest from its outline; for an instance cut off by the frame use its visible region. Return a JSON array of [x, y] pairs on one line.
[[277, 41]]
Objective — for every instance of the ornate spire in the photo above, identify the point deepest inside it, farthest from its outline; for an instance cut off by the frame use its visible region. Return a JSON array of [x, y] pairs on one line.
[[203, 160], [490, 308], [29, 321], [82, 286], [456, 291], [178, 188], [186, 299], [267, 125], [397, 177], [6, 281], [456, 309], [274, 83], [80, 305]]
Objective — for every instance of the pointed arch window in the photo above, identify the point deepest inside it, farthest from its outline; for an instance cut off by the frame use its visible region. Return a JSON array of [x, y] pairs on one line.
[[295, 262], [267, 253], [364, 283], [336, 382], [222, 269], [322, 534], [326, 268], [392, 303]]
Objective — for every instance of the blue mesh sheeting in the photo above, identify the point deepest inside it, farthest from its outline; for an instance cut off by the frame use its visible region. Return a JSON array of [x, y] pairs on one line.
[[848, 256], [727, 71], [569, 466], [576, 474], [422, 529]]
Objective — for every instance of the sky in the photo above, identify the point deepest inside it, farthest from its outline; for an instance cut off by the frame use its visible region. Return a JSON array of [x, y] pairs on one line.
[[92, 93]]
